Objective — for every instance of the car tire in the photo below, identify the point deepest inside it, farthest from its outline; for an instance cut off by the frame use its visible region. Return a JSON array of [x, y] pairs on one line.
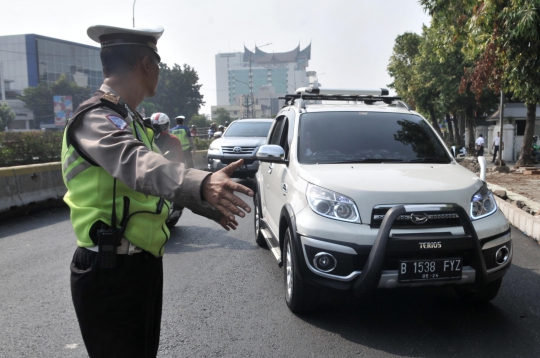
[[486, 294], [300, 296], [257, 215]]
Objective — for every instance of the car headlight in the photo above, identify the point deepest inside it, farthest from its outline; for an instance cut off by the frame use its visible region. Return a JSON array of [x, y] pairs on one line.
[[482, 203], [214, 149], [331, 204]]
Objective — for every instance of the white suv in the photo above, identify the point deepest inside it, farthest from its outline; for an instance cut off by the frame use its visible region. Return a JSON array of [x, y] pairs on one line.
[[355, 191]]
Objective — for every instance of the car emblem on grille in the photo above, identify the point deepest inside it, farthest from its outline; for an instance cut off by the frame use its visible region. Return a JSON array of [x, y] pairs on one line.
[[430, 245], [419, 218], [237, 149]]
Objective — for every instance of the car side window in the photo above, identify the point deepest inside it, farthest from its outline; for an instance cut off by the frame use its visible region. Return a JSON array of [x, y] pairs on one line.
[[275, 137]]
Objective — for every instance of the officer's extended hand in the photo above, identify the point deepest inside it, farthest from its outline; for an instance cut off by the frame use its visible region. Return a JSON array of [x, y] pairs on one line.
[[228, 224], [218, 190]]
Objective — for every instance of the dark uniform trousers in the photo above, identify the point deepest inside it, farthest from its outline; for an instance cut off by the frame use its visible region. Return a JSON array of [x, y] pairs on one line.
[[119, 310]]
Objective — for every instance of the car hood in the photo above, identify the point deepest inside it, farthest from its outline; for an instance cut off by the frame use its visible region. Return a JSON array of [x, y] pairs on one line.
[[370, 185], [241, 141]]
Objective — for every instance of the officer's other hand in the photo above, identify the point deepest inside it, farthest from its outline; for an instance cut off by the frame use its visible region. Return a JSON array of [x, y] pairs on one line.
[[218, 190], [228, 224]]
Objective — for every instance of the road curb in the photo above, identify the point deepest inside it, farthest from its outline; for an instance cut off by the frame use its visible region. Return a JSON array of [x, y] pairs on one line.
[[525, 222]]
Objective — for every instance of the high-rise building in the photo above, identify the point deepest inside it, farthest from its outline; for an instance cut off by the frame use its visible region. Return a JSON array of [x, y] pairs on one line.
[[255, 79], [26, 60]]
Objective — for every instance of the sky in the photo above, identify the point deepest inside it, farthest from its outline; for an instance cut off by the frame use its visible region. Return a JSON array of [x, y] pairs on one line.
[[351, 40]]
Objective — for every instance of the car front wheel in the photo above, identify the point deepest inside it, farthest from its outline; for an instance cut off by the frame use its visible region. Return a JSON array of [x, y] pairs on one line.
[[299, 295]]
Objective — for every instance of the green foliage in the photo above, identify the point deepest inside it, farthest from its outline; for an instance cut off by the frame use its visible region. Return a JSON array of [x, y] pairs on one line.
[[21, 148], [178, 92], [220, 116], [6, 116], [149, 108], [40, 98], [201, 144], [199, 120], [502, 40]]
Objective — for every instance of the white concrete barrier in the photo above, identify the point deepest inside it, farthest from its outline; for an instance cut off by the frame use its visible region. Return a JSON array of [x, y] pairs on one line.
[[27, 184], [38, 183]]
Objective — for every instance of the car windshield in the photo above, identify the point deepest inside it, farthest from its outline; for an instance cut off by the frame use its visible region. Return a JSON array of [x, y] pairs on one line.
[[367, 137], [248, 129]]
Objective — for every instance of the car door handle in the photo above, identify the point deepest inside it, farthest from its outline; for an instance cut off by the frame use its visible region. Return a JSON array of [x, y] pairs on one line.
[[284, 188], [270, 168]]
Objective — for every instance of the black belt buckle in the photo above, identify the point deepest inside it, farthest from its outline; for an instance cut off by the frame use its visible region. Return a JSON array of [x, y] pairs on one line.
[[107, 244]]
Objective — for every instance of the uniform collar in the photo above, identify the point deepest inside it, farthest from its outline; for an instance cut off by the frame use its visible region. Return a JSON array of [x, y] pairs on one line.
[[121, 102]]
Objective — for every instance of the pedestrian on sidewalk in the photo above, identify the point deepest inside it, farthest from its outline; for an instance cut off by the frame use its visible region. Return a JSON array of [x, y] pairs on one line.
[[495, 146], [480, 145]]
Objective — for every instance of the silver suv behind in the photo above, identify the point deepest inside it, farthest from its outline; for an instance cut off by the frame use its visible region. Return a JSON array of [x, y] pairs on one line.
[[355, 191], [241, 140]]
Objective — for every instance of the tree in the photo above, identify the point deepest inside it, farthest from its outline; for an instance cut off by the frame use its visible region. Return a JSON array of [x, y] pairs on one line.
[[401, 66], [40, 98], [199, 121], [178, 92], [6, 116], [503, 41], [220, 116]]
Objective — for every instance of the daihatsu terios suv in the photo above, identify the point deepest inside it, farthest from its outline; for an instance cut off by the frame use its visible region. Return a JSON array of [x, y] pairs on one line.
[[359, 193]]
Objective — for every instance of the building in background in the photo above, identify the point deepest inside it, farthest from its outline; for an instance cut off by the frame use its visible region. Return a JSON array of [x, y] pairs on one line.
[[26, 60], [252, 79]]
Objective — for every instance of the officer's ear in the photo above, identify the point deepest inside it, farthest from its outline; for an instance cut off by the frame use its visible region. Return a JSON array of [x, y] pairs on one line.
[[146, 65]]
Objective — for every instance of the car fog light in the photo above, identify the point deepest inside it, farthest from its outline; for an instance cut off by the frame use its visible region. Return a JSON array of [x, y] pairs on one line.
[[501, 256], [324, 262]]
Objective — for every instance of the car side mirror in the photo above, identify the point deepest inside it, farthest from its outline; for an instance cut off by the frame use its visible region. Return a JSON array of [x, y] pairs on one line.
[[271, 153]]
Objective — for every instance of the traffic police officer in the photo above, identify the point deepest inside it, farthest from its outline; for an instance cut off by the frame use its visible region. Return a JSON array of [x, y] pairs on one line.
[[119, 190], [184, 135]]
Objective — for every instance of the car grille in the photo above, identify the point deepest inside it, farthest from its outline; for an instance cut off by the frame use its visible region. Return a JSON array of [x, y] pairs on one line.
[[243, 150], [428, 219]]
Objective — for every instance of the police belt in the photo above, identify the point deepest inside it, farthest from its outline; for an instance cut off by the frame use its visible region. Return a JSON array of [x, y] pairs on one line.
[[125, 248]]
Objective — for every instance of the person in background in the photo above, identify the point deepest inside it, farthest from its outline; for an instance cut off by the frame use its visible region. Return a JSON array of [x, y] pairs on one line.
[[193, 131], [495, 146], [480, 145], [169, 145], [183, 134]]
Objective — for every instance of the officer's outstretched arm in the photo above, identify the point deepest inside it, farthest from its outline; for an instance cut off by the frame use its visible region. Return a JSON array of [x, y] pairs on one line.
[[218, 190]]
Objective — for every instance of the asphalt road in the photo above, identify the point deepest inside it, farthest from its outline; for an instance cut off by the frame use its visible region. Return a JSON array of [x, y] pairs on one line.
[[224, 298]]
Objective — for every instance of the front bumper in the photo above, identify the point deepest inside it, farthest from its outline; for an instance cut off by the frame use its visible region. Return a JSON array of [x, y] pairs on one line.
[[363, 268], [248, 169]]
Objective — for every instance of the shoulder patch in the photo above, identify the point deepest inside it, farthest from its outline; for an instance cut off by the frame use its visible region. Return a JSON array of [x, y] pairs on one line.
[[111, 97], [118, 122]]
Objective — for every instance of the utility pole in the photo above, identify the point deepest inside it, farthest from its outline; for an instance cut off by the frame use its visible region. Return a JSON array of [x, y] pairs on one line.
[[134, 1], [501, 143], [2, 88]]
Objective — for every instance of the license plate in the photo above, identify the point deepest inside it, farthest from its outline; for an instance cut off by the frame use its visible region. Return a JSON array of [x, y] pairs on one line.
[[430, 270]]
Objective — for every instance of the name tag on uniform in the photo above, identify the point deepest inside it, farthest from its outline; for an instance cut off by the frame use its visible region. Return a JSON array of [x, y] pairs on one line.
[[118, 122]]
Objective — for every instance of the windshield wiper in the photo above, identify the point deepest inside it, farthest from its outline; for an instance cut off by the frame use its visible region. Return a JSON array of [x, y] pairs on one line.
[[430, 160]]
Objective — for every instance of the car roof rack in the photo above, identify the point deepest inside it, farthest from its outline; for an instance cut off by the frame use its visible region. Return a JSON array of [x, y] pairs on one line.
[[367, 96]]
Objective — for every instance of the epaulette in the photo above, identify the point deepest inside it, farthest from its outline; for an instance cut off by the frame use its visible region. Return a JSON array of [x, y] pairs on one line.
[[110, 97]]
